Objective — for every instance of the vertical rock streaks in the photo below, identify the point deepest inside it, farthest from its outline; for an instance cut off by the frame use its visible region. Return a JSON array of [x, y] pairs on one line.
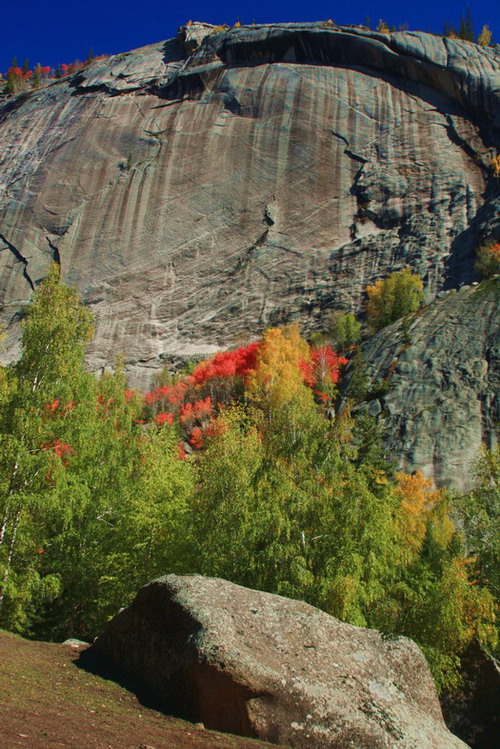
[[335, 154]]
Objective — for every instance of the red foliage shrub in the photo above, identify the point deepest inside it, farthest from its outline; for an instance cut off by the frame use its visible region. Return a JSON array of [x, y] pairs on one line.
[[173, 394], [163, 418], [62, 449], [226, 364], [52, 407], [197, 438], [225, 374], [327, 364], [200, 410], [55, 406]]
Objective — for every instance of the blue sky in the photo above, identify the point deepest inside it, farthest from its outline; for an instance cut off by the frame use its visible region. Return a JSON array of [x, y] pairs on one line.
[[42, 33]]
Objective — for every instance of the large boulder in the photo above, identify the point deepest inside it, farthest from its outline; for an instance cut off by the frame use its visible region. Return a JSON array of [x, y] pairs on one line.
[[261, 665]]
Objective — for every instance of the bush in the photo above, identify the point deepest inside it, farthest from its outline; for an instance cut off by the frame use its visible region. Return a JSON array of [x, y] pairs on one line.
[[345, 329], [388, 300], [488, 259]]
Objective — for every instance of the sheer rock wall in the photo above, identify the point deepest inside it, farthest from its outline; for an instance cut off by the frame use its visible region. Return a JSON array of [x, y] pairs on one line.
[[444, 376], [198, 190], [201, 189]]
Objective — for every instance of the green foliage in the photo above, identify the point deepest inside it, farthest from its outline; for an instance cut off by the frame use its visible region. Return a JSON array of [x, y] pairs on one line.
[[93, 504], [488, 259], [444, 611], [285, 515], [55, 329], [120, 492], [405, 331], [151, 526], [94, 489], [345, 329], [358, 378], [83, 521], [479, 513], [389, 300], [466, 27]]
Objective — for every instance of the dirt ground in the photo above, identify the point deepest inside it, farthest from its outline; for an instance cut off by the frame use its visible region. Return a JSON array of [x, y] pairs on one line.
[[47, 700]]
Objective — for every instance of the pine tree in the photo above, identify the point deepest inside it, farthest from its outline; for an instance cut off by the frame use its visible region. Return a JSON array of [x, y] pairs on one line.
[[466, 28]]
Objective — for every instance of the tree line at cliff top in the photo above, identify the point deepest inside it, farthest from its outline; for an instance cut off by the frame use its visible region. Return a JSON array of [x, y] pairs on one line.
[[24, 78], [242, 466]]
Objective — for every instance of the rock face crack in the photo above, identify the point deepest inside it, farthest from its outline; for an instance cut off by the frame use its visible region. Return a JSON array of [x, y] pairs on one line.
[[56, 257], [98, 88], [489, 399], [361, 213], [20, 258], [249, 251], [347, 150], [459, 141], [267, 218]]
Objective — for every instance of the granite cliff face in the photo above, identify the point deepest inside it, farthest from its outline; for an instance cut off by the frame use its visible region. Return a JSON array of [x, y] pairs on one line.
[[443, 375], [198, 190], [201, 189]]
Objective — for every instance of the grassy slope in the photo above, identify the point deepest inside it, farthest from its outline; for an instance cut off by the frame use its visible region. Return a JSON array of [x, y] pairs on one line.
[[46, 700]]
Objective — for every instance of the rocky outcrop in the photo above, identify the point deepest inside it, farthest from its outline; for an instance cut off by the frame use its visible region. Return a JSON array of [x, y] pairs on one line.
[[435, 381], [200, 189], [257, 664]]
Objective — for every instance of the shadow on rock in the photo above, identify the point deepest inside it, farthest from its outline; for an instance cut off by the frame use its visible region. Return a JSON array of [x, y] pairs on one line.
[[99, 665]]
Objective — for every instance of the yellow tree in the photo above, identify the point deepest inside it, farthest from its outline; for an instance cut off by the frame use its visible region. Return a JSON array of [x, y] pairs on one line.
[[278, 376], [484, 38], [418, 498], [389, 299], [284, 405], [495, 165]]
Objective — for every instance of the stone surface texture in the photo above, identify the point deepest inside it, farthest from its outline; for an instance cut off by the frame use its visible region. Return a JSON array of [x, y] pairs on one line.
[[444, 377], [257, 664], [200, 189]]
